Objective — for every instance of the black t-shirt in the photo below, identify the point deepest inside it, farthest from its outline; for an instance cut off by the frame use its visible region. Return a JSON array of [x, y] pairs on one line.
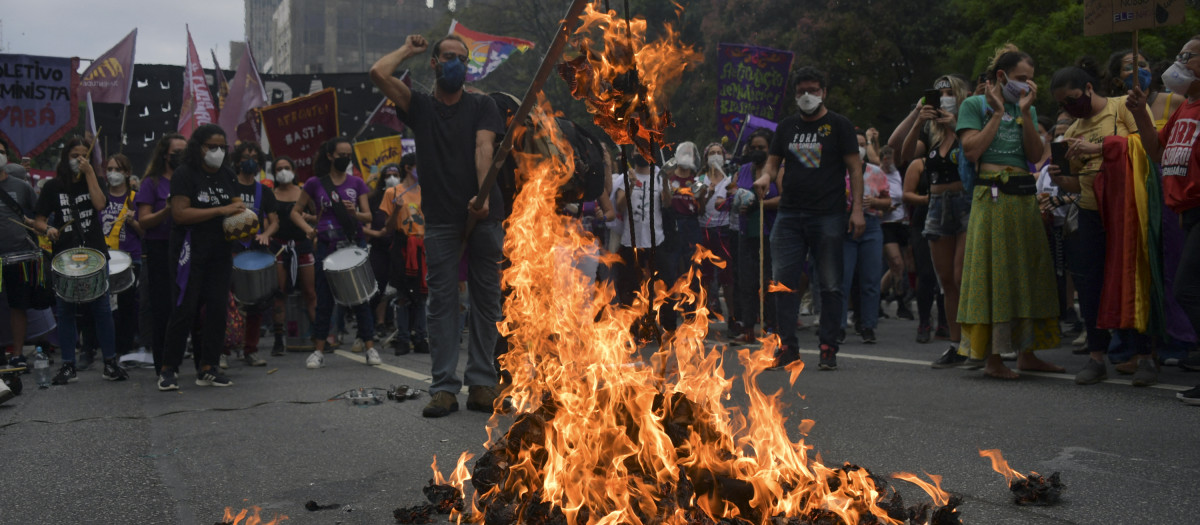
[[288, 231], [814, 175], [204, 190], [247, 193], [62, 202], [445, 137]]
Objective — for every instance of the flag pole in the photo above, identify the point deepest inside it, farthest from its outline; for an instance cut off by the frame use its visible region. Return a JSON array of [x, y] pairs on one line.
[[121, 136], [553, 53]]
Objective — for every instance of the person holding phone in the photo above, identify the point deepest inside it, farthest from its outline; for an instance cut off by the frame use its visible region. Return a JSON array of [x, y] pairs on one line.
[[1008, 301], [933, 143], [1096, 117]]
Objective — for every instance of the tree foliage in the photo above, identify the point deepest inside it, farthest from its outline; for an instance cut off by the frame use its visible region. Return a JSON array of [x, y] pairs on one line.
[[879, 54]]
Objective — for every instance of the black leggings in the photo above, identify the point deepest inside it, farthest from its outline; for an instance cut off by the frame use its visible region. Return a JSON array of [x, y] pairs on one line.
[[1187, 278]]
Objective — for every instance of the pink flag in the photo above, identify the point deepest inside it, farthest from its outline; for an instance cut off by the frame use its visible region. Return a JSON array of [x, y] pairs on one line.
[[385, 113], [109, 77], [198, 107], [245, 94]]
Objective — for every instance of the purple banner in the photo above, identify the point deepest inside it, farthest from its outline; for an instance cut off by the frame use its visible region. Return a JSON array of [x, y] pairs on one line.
[[38, 103], [109, 77], [751, 81]]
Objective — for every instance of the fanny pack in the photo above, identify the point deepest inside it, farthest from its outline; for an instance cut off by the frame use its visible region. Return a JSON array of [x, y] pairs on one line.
[[1015, 185]]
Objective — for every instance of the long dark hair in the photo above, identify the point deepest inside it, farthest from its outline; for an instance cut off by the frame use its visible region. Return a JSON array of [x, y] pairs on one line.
[[1114, 86], [158, 159], [194, 156], [64, 173], [285, 158], [322, 164]]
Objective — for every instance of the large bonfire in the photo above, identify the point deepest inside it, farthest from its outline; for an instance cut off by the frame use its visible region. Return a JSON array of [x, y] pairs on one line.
[[604, 431]]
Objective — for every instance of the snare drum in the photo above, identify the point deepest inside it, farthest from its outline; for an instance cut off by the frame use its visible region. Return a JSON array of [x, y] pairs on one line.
[[120, 271], [349, 275], [254, 277], [22, 256], [80, 275]]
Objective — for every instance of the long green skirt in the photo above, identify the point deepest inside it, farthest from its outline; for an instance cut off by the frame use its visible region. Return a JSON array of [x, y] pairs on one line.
[[1008, 276]]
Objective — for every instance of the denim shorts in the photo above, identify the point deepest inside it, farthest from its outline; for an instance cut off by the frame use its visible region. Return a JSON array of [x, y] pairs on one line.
[[948, 214]]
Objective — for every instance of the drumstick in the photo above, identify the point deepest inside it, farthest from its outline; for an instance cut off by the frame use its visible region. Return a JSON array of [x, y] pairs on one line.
[[23, 225], [65, 224], [281, 249]]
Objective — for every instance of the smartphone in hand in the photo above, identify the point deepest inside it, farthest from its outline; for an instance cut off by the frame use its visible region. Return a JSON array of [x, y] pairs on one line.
[[1058, 156], [933, 97]]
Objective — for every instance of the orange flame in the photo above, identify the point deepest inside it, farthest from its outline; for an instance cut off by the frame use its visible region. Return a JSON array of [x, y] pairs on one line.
[[1001, 466], [250, 519], [625, 79], [775, 286], [940, 497]]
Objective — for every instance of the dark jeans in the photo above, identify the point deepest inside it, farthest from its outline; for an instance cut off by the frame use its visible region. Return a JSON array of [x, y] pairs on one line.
[[160, 289], [208, 290], [98, 313], [362, 313], [794, 235], [1187, 278], [125, 318], [638, 265], [927, 284], [1086, 259]]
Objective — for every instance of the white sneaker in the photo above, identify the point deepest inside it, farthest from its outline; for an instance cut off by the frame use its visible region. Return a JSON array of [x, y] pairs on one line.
[[373, 357], [1080, 341], [357, 347], [7, 393], [315, 360], [224, 363]]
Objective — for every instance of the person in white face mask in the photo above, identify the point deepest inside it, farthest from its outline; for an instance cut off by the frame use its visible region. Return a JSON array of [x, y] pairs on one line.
[[1009, 297], [402, 205], [1175, 148], [123, 232], [294, 260], [821, 152], [202, 196], [75, 198]]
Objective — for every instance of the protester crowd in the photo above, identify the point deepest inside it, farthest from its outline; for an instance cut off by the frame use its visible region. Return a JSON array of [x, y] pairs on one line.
[[978, 219]]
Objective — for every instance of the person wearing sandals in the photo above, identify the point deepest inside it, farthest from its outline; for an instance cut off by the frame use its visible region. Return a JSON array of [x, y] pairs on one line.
[[1008, 298]]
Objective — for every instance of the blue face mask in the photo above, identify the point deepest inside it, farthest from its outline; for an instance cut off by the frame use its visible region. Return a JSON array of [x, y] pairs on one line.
[[249, 166], [1143, 80], [451, 75]]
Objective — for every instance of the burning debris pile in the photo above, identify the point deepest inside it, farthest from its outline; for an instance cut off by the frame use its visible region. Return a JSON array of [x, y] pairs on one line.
[[1033, 489]]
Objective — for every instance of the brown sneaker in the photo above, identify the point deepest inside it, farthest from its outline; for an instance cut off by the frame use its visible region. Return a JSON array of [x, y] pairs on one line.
[[441, 404], [483, 399]]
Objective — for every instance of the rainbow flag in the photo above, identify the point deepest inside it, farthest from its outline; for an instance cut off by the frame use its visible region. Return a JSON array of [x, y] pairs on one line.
[[487, 51]]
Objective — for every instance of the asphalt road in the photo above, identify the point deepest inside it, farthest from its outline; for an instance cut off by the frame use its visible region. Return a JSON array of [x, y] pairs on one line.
[[100, 452]]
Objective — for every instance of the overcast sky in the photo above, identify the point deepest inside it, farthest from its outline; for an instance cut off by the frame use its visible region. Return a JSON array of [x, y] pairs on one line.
[[86, 29]]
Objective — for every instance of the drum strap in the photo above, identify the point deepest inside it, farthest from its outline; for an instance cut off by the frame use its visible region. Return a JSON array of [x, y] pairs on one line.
[[342, 214], [114, 235]]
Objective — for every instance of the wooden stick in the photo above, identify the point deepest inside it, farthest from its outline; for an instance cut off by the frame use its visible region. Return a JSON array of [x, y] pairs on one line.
[[23, 225], [280, 252], [1135, 57], [762, 282], [548, 62]]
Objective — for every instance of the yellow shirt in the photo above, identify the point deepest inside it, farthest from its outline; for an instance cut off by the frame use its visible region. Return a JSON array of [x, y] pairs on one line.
[[407, 202], [1114, 119]]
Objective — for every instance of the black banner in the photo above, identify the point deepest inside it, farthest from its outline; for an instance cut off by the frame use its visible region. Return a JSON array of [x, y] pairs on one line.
[[158, 91]]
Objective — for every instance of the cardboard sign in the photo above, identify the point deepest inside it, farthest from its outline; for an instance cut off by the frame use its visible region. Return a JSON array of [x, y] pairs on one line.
[[1101, 17]]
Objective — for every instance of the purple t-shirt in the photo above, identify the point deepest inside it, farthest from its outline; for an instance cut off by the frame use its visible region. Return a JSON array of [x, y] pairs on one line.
[[155, 192], [328, 227], [129, 241], [749, 221]]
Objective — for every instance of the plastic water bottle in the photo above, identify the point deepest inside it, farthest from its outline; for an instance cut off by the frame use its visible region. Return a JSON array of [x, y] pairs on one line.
[[41, 369]]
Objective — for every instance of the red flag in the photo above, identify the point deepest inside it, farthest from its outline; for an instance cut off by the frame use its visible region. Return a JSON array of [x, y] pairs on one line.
[[222, 84], [245, 94], [198, 107], [109, 77], [385, 113]]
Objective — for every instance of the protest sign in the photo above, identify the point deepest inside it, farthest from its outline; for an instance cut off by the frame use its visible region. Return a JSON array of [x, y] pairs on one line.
[[376, 153], [110, 77], [298, 127], [1101, 17], [751, 80], [38, 101]]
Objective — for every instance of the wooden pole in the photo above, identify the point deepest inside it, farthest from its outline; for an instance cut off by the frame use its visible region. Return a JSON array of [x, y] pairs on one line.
[[762, 282], [1136, 67]]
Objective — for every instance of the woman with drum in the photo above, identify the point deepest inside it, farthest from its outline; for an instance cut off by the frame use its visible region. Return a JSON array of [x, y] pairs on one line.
[[294, 259], [340, 202], [154, 215], [201, 260], [247, 159], [74, 199], [123, 235]]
